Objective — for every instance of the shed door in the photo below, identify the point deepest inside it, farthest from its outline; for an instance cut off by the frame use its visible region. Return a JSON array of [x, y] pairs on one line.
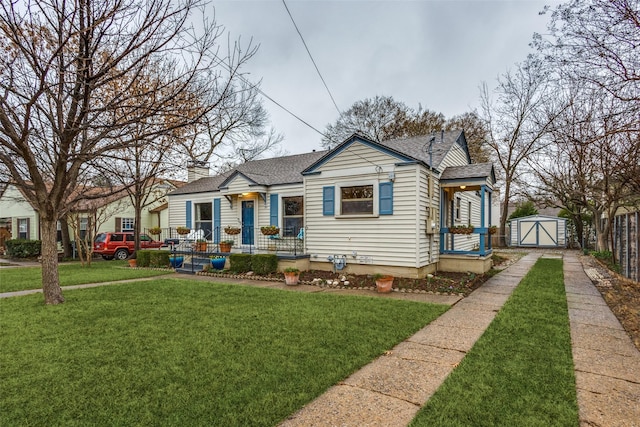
[[538, 232]]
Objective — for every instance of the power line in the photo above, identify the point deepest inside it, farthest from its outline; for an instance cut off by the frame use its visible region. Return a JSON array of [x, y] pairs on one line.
[[311, 57]]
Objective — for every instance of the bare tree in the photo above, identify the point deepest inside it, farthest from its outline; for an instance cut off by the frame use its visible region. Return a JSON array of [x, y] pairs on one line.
[[371, 118], [599, 41], [517, 122], [590, 167], [476, 133], [71, 77]]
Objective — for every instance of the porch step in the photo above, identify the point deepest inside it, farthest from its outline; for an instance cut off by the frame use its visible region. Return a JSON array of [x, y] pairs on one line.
[[194, 266]]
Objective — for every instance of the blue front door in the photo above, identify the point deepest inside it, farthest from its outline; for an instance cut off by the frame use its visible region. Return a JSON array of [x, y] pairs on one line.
[[247, 222]]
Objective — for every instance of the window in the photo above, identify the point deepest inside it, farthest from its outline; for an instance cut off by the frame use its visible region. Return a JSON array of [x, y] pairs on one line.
[[23, 228], [204, 218], [127, 224], [458, 207], [58, 232], [293, 215], [356, 200], [84, 226]]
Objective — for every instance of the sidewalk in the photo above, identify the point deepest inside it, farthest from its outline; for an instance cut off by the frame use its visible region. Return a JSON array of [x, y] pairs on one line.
[[390, 390], [607, 364]]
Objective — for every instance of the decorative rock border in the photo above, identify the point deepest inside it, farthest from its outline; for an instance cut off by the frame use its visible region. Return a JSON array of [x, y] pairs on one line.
[[321, 283]]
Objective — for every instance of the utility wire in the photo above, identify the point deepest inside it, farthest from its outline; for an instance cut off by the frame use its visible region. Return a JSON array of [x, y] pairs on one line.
[[311, 57]]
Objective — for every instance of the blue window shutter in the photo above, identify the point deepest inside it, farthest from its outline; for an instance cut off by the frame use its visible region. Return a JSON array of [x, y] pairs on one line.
[[217, 221], [386, 198], [273, 210], [328, 200], [188, 214]]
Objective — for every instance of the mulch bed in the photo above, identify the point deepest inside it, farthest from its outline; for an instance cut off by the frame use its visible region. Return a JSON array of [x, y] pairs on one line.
[[442, 283], [621, 295]]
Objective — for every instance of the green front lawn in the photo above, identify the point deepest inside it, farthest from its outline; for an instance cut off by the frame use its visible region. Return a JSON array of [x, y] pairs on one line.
[[73, 273], [186, 353], [520, 372]]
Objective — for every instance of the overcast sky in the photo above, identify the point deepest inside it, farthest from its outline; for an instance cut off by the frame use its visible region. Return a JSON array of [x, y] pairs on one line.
[[428, 52]]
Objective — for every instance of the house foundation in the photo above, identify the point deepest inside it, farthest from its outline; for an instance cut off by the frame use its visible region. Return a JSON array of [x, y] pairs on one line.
[[465, 263], [410, 272]]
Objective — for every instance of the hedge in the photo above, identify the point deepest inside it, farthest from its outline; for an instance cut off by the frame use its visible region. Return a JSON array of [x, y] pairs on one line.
[[159, 259], [264, 264], [22, 248], [152, 258], [240, 263]]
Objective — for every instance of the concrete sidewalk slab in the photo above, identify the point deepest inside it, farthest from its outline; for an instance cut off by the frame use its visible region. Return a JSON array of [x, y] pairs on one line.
[[607, 364]]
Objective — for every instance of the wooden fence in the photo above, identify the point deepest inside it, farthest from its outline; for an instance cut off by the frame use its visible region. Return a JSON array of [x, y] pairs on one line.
[[627, 244]]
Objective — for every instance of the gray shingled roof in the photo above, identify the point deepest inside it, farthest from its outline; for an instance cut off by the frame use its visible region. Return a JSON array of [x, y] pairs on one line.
[[288, 169], [278, 170], [418, 147], [476, 170]]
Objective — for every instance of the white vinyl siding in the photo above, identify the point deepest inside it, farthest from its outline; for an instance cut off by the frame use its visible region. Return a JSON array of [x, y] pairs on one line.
[[382, 240]]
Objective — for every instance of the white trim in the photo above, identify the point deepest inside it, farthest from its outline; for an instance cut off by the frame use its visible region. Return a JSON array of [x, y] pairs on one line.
[[338, 198]]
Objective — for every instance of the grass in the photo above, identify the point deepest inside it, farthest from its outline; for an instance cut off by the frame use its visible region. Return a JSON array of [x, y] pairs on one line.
[[181, 352], [520, 372], [22, 278]]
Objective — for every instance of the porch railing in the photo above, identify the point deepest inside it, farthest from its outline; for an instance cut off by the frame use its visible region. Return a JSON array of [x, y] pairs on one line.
[[482, 246], [288, 241]]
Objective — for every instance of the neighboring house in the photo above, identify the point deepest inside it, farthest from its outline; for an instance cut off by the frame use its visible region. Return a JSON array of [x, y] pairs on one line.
[[362, 207], [17, 215], [113, 212]]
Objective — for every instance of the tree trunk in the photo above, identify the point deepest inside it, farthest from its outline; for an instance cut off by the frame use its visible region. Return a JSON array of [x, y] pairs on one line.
[[505, 211], [49, 254], [66, 238], [602, 231]]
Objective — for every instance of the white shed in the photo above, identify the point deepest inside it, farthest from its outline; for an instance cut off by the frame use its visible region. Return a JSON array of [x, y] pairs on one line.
[[538, 231]]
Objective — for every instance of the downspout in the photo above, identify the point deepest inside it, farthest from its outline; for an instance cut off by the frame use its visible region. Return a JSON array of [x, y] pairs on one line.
[[430, 184]]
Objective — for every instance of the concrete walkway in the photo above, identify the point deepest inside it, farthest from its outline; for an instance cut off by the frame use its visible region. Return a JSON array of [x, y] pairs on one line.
[[607, 364], [390, 390]]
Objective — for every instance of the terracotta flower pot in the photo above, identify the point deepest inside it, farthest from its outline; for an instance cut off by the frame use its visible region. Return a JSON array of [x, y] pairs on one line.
[[384, 284], [291, 278], [225, 247]]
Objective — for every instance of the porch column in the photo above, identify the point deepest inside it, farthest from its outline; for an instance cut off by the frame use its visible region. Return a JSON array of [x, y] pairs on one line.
[[483, 189]]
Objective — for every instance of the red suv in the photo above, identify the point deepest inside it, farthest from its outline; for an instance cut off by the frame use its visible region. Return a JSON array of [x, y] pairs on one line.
[[120, 245]]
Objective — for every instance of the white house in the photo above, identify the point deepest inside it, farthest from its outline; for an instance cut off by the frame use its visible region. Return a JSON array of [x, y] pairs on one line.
[[362, 207]]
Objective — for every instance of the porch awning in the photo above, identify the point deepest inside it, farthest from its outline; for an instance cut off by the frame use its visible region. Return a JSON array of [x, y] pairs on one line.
[[468, 177]]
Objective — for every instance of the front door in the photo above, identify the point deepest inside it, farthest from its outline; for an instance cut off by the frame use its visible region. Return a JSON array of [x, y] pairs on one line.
[[247, 222]]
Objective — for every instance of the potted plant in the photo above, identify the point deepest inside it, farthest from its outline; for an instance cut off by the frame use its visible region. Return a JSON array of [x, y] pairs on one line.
[[217, 262], [291, 275], [176, 260], [384, 282], [493, 229], [201, 245], [183, 230], [132, 260], [225, 245], [155, 231], [229, 229], [270, 230]]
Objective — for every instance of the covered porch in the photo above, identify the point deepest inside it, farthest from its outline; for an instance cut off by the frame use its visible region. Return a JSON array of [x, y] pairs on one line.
[[465, 220]]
